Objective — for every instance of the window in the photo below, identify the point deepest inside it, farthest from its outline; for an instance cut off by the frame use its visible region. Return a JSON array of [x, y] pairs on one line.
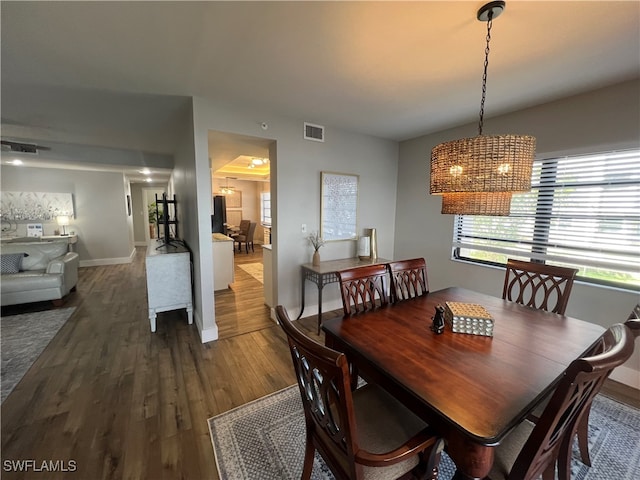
[[265, 209], [582, 212]]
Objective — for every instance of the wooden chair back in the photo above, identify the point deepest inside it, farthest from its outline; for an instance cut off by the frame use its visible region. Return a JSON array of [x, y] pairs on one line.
[[324, 381], [408, 279], [248, 238], [363, 288], [551, 440], [633, 324], [545, 287], [331, 422], [244, 227]]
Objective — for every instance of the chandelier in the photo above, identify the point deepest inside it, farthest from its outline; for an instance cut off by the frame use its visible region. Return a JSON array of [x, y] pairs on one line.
[[227, 189], [477, 176]]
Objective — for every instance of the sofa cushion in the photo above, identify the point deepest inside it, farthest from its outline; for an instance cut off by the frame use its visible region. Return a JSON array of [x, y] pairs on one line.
[[11, 262], [40, 253], [29, 281]]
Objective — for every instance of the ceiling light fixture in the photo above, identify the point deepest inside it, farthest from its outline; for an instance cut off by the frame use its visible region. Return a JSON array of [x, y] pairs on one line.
[[476, 176], [259, 161], [227, 189]]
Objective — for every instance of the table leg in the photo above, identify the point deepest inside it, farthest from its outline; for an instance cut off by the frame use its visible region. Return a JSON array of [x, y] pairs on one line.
[[320, 288], [473, 461], [302, 288]]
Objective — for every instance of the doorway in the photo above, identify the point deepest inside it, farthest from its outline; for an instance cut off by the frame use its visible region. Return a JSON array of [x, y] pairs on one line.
[[241, 173]]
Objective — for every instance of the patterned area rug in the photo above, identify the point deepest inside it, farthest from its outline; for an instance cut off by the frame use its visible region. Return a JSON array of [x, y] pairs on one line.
[[253, 269], [24, 337], [265, 439]]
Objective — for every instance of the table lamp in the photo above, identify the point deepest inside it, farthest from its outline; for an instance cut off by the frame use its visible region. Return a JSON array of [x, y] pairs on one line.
[[63, 221]]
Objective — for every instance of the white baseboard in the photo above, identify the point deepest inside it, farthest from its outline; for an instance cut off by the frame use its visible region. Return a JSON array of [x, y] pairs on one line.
[[108, 261], [206, 335], [626, 375]]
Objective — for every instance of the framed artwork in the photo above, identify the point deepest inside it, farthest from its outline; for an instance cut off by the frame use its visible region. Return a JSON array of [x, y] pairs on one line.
[[338, 206], [43, 206]]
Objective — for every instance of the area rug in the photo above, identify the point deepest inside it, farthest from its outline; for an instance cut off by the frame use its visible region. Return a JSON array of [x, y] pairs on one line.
[[253, 269], [23, 338], [265, 440]]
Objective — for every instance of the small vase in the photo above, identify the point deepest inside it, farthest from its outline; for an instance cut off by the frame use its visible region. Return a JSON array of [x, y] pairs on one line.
[[374, 245], [316, 259]]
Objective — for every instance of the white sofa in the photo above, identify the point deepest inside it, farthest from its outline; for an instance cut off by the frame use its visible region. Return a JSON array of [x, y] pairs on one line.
[[37, 271]]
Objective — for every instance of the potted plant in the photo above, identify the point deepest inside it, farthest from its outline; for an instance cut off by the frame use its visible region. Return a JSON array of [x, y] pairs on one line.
[[316, 241], [155, 216]]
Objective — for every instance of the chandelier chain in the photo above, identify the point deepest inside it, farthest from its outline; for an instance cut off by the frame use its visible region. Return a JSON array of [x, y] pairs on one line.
[[484, 74]]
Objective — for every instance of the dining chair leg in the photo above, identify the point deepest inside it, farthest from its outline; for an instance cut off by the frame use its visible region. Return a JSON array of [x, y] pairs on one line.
[[309, 454], [432, 462], [564, 458]]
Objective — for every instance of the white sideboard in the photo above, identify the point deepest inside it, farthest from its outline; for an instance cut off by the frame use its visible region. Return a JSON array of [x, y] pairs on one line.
[[168, 280], [223, 264], [267, 265]]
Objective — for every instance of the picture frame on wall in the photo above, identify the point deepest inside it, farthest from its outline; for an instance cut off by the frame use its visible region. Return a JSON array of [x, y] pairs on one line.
[[338, 206]]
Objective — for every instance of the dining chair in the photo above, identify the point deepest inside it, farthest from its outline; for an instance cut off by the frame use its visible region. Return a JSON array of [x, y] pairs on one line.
[[243, 229], [408, 279], [363, 288], [545, 287], [533, 450], [361, 434], [582, 428], [245, 235]]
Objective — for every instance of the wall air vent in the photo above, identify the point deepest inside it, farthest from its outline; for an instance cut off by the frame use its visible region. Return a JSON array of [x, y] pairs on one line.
[[313, 132], [19, 147]]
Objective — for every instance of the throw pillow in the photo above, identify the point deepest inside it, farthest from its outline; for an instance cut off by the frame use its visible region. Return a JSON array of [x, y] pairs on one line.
[[11, 262]]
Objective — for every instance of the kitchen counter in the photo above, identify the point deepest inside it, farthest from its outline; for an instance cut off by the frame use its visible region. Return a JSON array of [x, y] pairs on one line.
[[219, 237], [223, 263]]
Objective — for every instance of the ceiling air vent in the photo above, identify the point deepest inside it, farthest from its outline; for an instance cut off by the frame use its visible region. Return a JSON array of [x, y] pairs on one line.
[[313, 132]]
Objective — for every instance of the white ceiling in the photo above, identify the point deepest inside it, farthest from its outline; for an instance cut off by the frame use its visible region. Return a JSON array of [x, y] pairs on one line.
[[119, 74]]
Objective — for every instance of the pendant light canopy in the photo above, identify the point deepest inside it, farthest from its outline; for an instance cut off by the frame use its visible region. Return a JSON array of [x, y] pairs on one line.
[[476, 176]]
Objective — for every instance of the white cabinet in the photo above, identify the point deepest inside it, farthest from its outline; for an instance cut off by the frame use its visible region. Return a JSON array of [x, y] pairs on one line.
[[267, 265], [168, 280], [223, 265]]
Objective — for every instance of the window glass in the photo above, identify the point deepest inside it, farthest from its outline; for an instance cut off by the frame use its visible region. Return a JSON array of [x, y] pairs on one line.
[[265, 209], [583, 212]]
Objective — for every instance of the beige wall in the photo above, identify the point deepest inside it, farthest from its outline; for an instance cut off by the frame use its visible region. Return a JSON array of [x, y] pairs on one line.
[[101, 221]]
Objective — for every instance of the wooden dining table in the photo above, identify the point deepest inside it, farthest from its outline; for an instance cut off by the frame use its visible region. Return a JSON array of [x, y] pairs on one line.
[[473, 389]]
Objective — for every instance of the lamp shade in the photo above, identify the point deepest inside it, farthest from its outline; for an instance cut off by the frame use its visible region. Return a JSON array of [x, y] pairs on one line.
[[496, 163], [473, 203], [62, 220]]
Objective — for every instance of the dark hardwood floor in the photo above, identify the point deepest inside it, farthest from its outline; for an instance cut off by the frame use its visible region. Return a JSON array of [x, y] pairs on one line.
[[125, 403], [240, 308]]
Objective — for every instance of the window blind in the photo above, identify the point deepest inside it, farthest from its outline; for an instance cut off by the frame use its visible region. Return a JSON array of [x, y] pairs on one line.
[[583, 212]]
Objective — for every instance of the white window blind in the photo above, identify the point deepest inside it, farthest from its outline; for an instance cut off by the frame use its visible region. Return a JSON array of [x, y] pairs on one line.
[[583, 212]]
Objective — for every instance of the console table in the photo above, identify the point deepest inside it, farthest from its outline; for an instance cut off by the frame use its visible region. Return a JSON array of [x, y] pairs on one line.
[[168, 280], [326, 273], [72, 239]]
